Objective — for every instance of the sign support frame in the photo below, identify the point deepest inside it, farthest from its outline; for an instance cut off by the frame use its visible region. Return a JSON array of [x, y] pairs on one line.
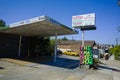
[[82, 38]]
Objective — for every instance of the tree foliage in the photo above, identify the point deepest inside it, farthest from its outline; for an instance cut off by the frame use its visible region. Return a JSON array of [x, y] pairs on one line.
[[116, 52], [64, 38], [2, 23], [52, 45], [43, 45]]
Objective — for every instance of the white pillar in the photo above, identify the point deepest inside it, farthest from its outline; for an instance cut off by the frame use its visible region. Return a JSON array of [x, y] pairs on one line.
[[55, 51], [19, 49], [82, 38]]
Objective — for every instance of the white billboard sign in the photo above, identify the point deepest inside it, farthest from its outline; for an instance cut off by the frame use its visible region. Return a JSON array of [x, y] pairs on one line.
[[83, 20]]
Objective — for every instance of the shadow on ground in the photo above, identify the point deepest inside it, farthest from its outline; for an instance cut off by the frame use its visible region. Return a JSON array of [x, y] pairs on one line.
[[63, 63], [109, 68], [48, 60], [1, 68]]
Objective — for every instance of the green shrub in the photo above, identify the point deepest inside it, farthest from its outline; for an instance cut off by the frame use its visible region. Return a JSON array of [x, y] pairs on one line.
[[101, 55], [95, 60], [116, 52]]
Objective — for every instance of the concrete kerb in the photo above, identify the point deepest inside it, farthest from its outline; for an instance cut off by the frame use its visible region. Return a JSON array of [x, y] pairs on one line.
[[19, 62], [80, 73]]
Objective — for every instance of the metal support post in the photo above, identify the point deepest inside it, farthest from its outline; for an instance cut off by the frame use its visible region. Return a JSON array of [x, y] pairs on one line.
[[55, 51], [19, 50]]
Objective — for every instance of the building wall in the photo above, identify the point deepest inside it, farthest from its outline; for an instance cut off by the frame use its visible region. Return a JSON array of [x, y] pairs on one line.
[[8, 45], [74, 47]]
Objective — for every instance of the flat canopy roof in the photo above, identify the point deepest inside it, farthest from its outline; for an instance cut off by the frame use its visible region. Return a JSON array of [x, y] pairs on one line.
[[38, 26]]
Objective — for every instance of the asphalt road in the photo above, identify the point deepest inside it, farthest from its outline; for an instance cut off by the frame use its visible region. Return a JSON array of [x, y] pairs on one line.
[[66, 68], [63, 69]]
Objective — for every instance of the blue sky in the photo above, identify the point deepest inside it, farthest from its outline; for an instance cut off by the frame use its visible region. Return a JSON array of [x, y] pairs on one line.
[[107, 15]]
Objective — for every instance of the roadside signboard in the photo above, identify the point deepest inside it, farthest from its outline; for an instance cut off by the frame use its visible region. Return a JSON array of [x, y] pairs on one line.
[[86, 55], [85, 22]]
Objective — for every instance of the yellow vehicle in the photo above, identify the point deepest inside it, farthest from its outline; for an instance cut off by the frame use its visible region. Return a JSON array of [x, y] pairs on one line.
[[71, 53]]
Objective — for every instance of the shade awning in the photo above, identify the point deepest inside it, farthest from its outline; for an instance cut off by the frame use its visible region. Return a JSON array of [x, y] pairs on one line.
[[39, 26]]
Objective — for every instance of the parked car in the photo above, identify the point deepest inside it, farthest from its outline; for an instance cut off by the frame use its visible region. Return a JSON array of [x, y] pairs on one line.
[[71, 53], [59, 51]]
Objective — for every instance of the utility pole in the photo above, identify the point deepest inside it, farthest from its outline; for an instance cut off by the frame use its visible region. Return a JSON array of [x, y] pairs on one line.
[[119, 2], [118, 28], [116, 41]]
